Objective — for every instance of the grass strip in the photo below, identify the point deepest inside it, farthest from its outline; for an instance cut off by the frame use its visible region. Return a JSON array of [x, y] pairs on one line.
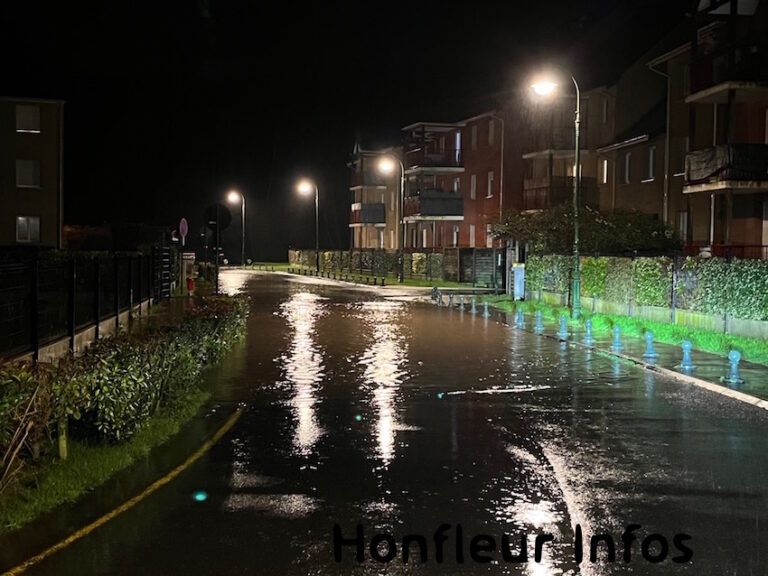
[[90, 465], [752, 349]]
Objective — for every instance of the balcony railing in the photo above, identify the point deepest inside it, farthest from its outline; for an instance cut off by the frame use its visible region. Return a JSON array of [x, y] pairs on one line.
[[367, 214], [423, 158], [433, 202], [542, 193], [728, 162], [367, 178], [720, 66]]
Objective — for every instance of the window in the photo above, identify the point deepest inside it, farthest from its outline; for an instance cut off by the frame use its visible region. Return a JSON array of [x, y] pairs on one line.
[[458, 146], [474, 137], [27, 173], [473, 186], [471, 235], [381, 239], [27, 119], [627, 163], [456, 185], [28, 229], [491, 130], [651, 163], [392, 202], [604, 177], [392, 239], [605, 110], [424, 238], [455, 236], [488, 236], [489, 192], [414, 238], [442, 143]]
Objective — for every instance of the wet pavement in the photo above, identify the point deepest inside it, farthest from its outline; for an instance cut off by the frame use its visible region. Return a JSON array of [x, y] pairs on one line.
[[401, 416]]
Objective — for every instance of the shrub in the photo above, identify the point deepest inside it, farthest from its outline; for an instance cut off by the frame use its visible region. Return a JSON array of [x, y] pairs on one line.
[[652, 281], [593, 274], [618, 280]]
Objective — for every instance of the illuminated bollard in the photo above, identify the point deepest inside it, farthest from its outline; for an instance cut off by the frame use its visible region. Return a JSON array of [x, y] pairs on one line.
[[617, 346], [687, 365], [588, 338], [450, 299], [474, 305], [520, 321], [650, 351], [439, 298], [485, 310], [539, 328], [734, 357], [461, 303], [563, 332]]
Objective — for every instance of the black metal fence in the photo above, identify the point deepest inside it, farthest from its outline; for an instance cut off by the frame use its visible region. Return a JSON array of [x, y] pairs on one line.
[[46, 296]]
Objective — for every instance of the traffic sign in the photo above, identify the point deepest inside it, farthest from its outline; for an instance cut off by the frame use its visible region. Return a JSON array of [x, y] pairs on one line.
[[183, 229]]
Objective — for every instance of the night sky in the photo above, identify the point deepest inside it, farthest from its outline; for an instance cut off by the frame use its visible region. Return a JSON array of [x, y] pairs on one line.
[[170, 104]]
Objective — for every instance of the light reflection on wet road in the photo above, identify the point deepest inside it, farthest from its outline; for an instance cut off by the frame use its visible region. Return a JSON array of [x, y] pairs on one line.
[[402, 416]]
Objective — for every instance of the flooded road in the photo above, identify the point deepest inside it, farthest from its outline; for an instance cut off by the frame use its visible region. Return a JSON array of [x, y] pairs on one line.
[[401, 416]]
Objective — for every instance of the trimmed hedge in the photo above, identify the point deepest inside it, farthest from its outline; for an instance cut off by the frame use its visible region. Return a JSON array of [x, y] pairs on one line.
[[116, 385], [715, 286]]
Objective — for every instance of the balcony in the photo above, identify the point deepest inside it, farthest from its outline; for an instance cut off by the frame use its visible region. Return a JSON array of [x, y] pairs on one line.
[[367, 178], [433, 161], [367, 215], [547, 192], [728, 251], [434, 204], [729, 167]]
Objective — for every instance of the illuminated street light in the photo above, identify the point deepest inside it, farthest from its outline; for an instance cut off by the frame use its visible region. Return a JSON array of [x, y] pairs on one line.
[[387, 165], [545, 88], [306, 187], [234, 197]]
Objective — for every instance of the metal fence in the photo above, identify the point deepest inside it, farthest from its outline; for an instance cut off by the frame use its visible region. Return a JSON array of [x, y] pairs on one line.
[[48, 296]]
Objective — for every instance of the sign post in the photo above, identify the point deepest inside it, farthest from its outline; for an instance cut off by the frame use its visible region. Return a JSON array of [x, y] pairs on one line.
[[183, 229]]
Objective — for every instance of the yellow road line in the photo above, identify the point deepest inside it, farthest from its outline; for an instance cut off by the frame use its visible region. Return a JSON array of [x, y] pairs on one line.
[[129, 503]]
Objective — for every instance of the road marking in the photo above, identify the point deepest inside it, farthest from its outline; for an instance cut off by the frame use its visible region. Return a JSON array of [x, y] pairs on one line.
[[21, 568]]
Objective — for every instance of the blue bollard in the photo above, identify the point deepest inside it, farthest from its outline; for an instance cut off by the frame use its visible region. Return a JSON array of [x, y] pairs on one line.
[[450, 299], [734, 357], [520, 322], [461, 303], [485, 310], [687, 365], [563, 333], [539, 328], [474, 305], [439, 298], [650, 351], [588, 338], [616, 346]]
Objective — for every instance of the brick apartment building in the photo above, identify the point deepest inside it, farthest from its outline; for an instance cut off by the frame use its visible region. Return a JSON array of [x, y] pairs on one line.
[[31, 172]]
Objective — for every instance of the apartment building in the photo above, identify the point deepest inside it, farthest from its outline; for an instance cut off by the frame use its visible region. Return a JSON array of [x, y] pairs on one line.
[[374, 200], [31, 172]]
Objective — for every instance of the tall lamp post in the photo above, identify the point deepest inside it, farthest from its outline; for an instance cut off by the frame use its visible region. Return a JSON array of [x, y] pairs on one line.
[[545, 88], [387, 166], [234, 197], [306, 187]]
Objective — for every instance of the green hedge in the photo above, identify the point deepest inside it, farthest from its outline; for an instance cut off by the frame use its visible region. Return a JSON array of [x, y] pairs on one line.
[[111, 390], [593, 274], [652, 281]]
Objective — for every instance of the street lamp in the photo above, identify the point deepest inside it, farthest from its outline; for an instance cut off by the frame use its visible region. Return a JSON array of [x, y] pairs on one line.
[[234, 197], [546, 88], [305, 187], [387, 166]]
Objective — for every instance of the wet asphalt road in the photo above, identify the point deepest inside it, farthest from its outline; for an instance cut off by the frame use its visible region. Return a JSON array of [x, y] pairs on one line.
[[400, 416]]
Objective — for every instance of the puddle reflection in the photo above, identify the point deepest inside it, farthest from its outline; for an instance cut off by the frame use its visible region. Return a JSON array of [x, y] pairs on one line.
[[303, 367]]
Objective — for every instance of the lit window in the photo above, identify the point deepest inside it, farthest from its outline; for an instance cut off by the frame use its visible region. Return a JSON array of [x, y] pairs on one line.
[[28, 229], [491, 130], [473, 186], [392, 239], [627, 164], [489, 193], [456, 185], [27, 118], [488, 236], [474, 137], [27, 173], [471, 235], [424, 238], [455, 236], [605, 171]]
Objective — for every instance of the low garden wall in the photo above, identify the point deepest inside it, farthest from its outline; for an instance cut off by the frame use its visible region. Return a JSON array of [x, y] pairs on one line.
[[705, 293]]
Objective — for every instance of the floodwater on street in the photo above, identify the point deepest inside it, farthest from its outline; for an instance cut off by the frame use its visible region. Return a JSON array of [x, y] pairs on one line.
[[400, 416]]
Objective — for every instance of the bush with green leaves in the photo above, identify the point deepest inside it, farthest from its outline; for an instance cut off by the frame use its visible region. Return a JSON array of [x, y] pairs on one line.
[[593, 274], [618, 280], [652, 281]]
